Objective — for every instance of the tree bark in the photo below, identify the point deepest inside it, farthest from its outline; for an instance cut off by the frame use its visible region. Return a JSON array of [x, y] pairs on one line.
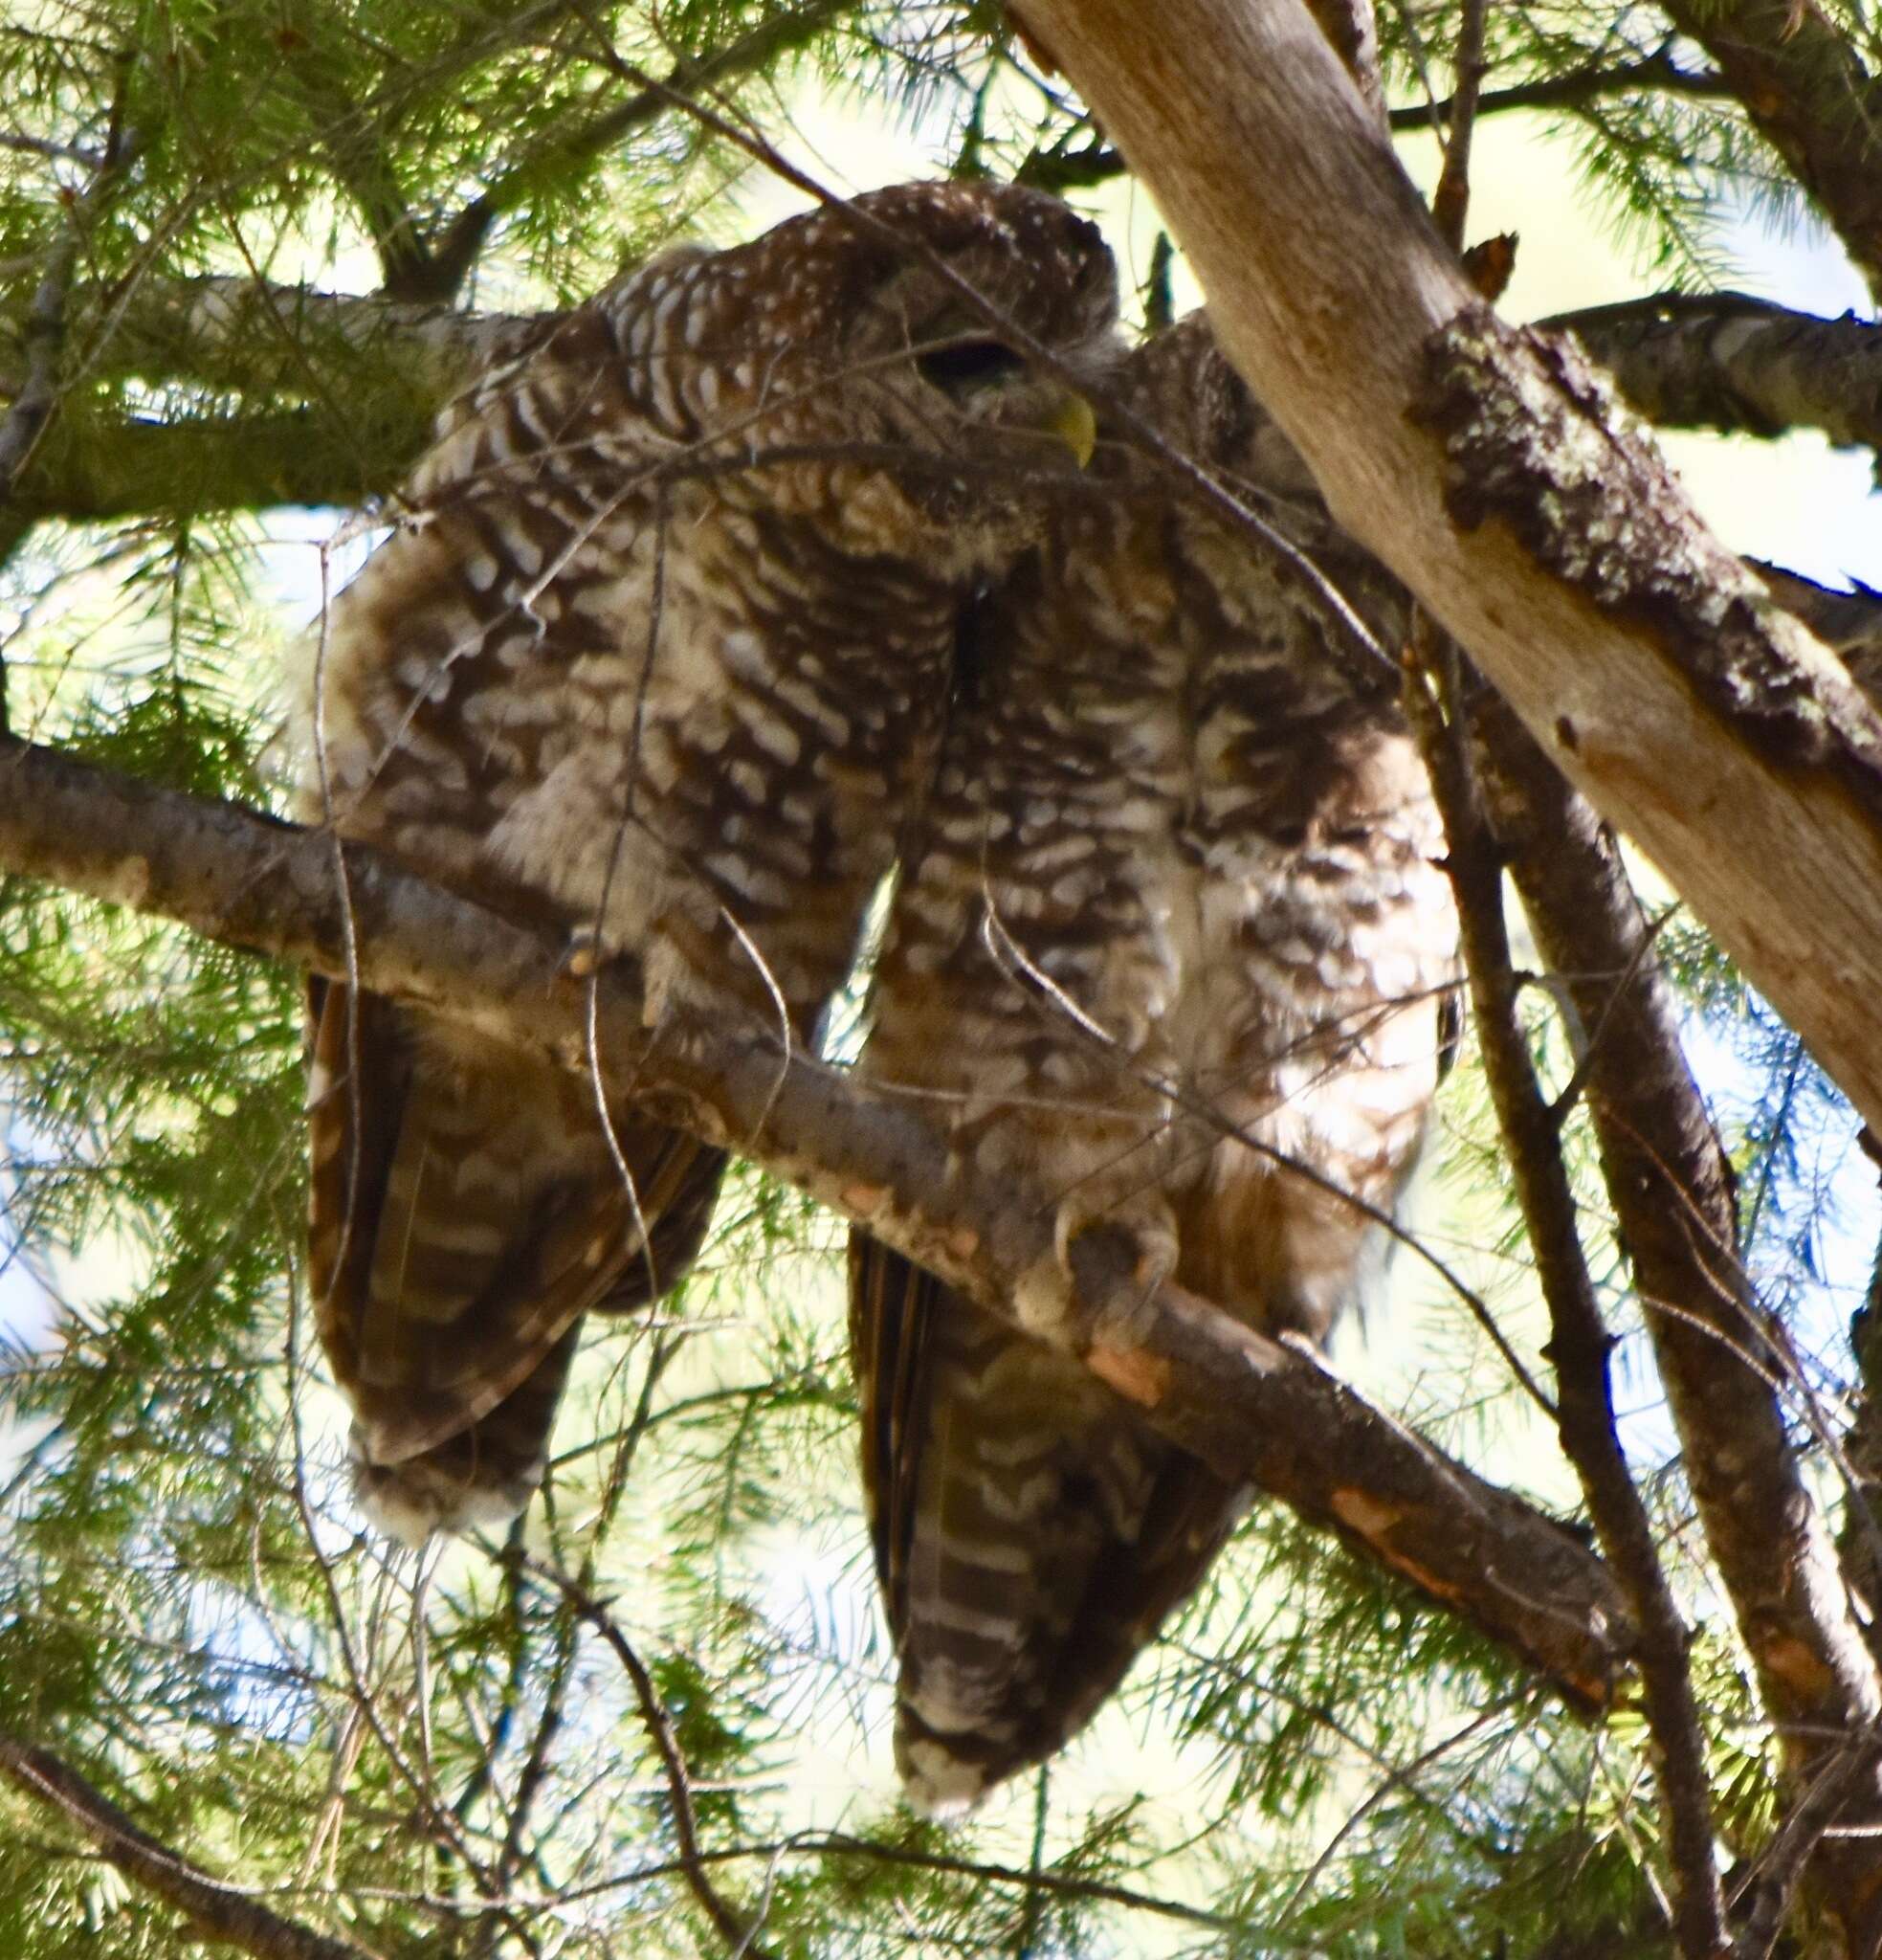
[[1256, 1410], [1807, 91], [1651, 668], [217, 1912], [1728, 363]]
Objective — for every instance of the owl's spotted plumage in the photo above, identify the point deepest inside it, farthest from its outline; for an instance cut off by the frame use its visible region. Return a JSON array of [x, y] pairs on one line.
[[655, 655], [1172, 922]]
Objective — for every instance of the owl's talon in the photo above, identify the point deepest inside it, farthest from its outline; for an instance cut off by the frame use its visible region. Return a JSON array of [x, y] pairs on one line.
[[582, 957]]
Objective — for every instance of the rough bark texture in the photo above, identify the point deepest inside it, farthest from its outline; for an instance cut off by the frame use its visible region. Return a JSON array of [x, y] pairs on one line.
[[1253, 1409], [1729, 363], [1579, 1344], [1671, 1187], [1328, 288], [337, 391]]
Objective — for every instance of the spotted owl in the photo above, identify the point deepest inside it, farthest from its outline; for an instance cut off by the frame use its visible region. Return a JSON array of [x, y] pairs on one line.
[[655, 656], [1172, 938]]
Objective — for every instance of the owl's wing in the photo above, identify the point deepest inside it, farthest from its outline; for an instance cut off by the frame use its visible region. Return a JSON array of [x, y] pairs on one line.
[[462, 1220], [1031, 1534]]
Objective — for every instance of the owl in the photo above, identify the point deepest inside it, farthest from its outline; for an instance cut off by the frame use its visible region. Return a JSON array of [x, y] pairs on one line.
[[1171, 936], [656, 656]]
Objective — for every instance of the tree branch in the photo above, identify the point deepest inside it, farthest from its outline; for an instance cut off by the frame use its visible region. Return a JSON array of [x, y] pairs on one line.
[[215, 1910], [1579, 1344], [1733, 364], [1566, 558], [1721, 362], [230, 336], [454, 251], [1060, 168], [737, 1928], [1673, 1192], [1808, 94], [1574, 90], [1254, 1409]]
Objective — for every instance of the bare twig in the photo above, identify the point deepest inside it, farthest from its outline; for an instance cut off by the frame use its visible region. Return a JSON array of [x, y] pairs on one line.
[[736, 1927]]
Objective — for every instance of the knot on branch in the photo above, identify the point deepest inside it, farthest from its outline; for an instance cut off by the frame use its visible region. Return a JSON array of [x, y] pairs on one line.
[[1534, 436]]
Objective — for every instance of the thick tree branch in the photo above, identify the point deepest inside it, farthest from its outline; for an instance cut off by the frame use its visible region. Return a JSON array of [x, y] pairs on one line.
[[1723, 362], [268, 344], [1728, 363], [94, 468], [216, 1911], [1564, 557], [1672, 1190], [1254, 1409], [1807, 91]]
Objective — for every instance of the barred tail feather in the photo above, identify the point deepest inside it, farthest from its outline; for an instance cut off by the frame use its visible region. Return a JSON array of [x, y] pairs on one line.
[[1032, 1532], [463, 1220]]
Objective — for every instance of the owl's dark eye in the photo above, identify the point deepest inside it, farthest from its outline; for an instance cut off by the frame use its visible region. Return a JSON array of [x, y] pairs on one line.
[[968, 365]]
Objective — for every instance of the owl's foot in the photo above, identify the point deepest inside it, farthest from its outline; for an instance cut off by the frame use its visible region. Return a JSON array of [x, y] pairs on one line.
[[585, 952], [1091, 1235]]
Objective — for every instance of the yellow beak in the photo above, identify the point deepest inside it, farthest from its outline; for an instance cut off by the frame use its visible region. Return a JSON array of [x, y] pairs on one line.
[[1074, 423]]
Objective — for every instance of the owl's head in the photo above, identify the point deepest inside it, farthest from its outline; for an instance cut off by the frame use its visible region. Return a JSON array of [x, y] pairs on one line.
[[1178, 393], [876, 366]]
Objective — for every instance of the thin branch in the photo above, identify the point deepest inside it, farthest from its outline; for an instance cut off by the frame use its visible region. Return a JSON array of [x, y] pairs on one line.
[[1580, 1344], [44, 338], [1575, 90], [57, 152], [1062, 168], [1255, 1409], [215, 1909], [454, 251], [1451, 199], [736, 1930], [1672, 1193]]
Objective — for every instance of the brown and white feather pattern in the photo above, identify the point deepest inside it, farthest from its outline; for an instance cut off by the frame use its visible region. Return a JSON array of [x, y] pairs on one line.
[[655, 654], [1172, 925]]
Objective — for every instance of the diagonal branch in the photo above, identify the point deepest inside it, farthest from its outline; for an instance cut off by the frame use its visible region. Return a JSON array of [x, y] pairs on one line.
[[569, 151], [1254, 1409], [1673, 1192], [217, 1910], [1579, 1344], [733, 1927], [1805, 90]]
